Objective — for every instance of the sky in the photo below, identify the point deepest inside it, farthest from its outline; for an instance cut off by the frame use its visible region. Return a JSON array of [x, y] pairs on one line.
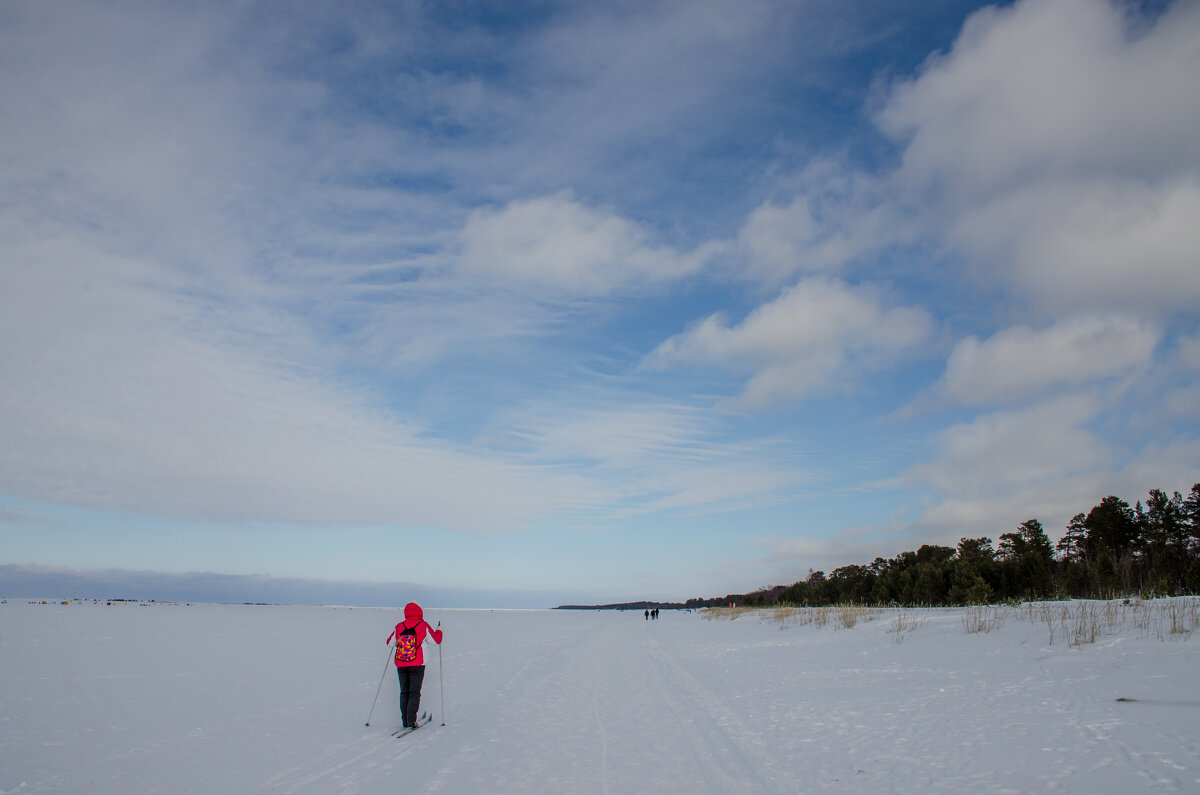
[[523, 304]]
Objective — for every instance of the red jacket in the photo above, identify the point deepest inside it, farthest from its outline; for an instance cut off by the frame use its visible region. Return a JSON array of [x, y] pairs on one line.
[[415, 619]]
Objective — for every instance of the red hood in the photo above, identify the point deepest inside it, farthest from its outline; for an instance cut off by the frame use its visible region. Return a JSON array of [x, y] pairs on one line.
[[412, 611]]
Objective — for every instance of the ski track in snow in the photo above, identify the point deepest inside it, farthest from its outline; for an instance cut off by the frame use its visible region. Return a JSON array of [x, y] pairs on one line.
[[243, 699]]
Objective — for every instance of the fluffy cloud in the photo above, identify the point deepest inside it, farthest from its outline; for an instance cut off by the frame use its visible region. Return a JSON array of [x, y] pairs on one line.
[[1098, 244], [1021, 362], [1052, 152], [1056, 145], [813, 334], [1056, 496], [1060, 86], [838, 217], [997, 470], [556, 244], [999, 452]]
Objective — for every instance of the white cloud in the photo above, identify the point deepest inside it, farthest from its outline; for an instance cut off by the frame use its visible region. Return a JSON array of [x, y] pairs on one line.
[[1170, 465], [1055, 146], [1183, 402], [853, 545], [1104, 243], [658, 456], [130, 400], [1189, 351], [242, 277], [191, 434], [622, 432], [812, 335], [556, 244], [639, 92], [839, 216], [748, 480], [992, 473], [1021, 363], [1052, 86], [1052, 503], [999, 452], [1042, 462]]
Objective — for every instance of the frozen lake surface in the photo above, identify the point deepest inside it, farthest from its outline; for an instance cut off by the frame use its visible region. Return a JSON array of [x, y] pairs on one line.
[[246, 699]]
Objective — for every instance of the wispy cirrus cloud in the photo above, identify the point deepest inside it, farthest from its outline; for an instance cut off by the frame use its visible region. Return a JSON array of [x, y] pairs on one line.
[[175, 427], [660, 456]]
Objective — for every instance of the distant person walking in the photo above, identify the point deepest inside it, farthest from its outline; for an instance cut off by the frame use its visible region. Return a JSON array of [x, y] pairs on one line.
[[410, 661]]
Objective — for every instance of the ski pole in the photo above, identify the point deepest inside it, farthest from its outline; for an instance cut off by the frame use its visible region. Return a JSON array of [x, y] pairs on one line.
[[381, 678], [442, 679]]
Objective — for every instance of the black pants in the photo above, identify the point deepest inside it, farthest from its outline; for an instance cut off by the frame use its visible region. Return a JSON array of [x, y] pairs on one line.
[[411, 677]]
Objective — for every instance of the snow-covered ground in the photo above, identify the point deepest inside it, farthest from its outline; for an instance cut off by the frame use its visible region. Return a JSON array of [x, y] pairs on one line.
[[239, 699]]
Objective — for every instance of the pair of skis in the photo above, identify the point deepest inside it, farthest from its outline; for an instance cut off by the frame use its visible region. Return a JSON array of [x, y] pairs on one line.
[[421, 721]]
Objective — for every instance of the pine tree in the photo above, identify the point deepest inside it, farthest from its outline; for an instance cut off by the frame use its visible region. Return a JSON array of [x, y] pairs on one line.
[[1071, 546], [1111, 526], [1191, 519]]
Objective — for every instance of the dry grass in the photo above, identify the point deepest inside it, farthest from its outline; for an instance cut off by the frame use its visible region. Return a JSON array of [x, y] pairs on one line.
[[847, 616], [1076, 623], [785, 616], [984, 618], [1184, 616], [904, 622], [1083, 622], [727, 613]]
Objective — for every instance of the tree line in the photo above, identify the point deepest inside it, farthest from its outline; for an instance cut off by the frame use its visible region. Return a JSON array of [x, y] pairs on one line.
[[1112, 550]]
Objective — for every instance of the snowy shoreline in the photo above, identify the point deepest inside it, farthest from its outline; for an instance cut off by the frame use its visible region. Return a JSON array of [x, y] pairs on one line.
[[245, 699]]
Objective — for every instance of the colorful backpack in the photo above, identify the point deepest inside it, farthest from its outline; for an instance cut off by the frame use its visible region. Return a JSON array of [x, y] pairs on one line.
[[407, 646]]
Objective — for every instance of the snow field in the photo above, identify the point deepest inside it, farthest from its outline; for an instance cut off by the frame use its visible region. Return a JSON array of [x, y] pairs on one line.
[[249, 699]]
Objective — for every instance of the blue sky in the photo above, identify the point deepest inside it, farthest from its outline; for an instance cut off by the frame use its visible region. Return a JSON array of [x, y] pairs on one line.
[[523, 304]]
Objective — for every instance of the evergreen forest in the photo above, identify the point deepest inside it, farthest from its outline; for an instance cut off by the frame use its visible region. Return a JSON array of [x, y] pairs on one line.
[[1113, 550]]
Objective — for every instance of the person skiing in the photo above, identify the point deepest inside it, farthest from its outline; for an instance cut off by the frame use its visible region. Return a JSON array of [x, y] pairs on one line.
[[410, 634]]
